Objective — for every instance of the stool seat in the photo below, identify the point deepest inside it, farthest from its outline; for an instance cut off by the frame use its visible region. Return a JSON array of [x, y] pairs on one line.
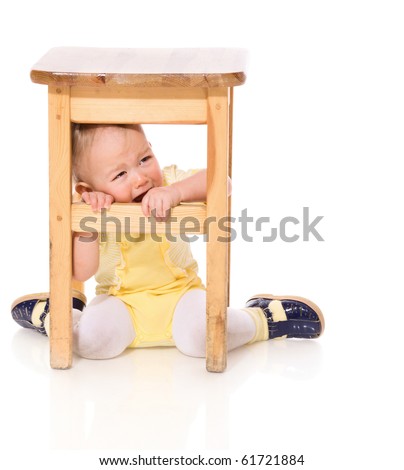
[[88, 66], [144, 86]]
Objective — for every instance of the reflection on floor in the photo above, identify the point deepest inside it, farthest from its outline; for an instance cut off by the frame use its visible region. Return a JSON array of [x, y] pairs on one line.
[[161, 399]]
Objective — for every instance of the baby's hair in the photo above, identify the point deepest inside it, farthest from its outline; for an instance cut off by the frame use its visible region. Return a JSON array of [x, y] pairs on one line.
[[83, 136]]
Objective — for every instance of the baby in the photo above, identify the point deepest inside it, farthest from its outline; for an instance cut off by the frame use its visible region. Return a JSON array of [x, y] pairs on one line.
[[148, 291]]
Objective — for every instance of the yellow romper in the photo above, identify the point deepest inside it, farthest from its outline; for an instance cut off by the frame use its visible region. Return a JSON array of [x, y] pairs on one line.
[[149, 276]]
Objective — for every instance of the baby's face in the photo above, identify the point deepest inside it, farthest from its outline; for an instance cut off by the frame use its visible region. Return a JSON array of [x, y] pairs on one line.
[[120, 162]]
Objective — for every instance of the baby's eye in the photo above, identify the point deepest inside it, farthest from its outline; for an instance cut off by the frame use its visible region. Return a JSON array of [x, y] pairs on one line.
[[119, 175], [144, 159]]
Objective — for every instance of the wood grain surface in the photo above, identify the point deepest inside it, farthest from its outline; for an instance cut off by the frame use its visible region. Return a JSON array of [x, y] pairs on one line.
[[203, 67]]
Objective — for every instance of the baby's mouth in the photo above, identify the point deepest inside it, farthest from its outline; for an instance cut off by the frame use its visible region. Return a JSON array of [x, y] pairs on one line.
[[141, 196]]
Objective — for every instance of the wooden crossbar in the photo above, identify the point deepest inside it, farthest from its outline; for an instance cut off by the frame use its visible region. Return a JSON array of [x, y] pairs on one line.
[[139, 105], [129, 218]]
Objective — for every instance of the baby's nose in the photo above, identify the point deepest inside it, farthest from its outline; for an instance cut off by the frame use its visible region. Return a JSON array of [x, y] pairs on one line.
[[139, 179]]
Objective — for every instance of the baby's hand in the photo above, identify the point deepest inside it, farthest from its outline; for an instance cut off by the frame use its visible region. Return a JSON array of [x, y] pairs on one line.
[[97, 200], [159, 201]]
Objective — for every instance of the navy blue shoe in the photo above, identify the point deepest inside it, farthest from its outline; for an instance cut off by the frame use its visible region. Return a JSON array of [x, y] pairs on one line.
[[30, 311], [289, 316]]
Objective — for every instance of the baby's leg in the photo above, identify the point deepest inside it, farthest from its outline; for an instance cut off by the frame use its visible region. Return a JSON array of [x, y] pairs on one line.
[[189, 325], [103, 330]]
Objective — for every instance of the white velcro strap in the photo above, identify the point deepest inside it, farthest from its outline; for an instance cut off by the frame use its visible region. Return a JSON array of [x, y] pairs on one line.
[[37, 312], [277, 310]]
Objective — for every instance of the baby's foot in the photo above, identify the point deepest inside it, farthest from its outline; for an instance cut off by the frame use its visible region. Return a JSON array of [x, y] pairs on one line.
[[31, 311], [289, 316]]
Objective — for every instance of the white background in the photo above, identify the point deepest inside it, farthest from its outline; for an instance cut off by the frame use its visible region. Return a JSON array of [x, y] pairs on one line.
[[318, 124]]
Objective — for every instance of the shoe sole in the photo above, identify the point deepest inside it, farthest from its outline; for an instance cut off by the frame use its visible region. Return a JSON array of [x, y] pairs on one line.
[[45, 295], [311, 304]]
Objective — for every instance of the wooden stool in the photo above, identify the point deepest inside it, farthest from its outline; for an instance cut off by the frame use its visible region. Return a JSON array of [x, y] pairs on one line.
[[144, 86]]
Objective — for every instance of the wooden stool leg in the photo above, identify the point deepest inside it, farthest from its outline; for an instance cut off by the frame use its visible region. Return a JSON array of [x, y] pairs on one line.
[[217, 202], [60, 189], [230, 165]]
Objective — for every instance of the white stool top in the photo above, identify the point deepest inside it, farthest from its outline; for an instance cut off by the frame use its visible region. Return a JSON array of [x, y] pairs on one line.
[[202, 67]]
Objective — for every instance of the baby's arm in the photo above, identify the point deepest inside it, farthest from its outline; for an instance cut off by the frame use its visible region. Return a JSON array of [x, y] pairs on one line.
[[194, 188], [85, 255], [85, 244], [191, 189]]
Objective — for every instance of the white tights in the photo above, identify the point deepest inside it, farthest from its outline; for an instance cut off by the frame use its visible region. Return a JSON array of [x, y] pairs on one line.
[[104, 329], [189, 325]]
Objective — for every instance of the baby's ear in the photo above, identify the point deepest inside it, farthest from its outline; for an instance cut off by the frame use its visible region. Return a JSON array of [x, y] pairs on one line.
[[81, 187]]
